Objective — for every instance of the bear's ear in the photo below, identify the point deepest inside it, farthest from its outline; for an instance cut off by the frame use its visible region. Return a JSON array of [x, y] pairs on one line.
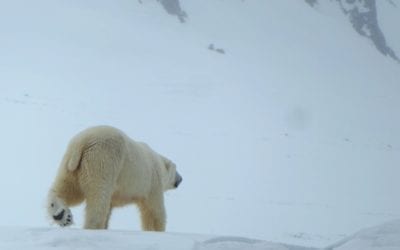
[[168, 164]]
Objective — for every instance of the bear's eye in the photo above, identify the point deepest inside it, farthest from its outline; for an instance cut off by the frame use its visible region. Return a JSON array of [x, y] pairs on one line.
[[52, 204]]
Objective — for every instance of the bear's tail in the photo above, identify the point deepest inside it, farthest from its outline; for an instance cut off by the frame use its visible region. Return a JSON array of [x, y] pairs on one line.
[[73, 156]]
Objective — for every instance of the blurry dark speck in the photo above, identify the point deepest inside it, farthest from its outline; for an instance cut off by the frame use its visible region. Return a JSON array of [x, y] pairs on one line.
[[173, 7], [298, 118], [213, 48]]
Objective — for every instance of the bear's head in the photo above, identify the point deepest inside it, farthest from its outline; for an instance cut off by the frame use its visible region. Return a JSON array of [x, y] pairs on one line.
[[170, 177]]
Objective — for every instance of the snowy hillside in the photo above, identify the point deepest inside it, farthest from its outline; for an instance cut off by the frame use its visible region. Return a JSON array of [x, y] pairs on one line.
[[291, 135], [382, 237], [366, 17]]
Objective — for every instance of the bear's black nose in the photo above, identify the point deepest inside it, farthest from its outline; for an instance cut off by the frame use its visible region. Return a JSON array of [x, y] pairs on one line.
[[59, 216], [178, 180]]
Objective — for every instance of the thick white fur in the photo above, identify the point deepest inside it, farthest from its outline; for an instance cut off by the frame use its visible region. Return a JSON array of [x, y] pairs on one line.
[[107, 169]]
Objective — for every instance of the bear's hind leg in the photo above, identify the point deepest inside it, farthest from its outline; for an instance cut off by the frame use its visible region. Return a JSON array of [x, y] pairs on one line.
[[65, 192], [98, 209], [108, 217]]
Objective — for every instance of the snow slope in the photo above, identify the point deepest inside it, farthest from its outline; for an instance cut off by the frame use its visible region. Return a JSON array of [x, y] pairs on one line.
[[290, 136], [382, 237], [31, 239], [363, 16]]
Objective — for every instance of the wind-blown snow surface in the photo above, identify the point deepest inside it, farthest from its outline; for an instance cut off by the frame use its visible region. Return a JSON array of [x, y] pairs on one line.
[[382, 237], [31, 239], [291, 136]]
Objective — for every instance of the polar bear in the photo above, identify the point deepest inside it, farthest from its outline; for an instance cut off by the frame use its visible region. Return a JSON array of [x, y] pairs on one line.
[[105, 168]]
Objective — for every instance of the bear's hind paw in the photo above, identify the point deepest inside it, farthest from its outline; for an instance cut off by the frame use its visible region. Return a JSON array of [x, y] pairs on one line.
[[63, 217]]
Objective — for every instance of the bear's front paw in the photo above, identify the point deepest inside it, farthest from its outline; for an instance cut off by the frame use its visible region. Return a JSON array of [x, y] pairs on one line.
[[63, 217]]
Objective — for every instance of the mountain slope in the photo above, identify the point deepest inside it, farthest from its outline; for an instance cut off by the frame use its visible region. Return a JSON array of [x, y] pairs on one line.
[[362, 15]]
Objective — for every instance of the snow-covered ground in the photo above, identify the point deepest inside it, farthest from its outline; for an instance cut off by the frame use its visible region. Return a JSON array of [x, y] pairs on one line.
[[382, 237], [290, 136], [43, 239]]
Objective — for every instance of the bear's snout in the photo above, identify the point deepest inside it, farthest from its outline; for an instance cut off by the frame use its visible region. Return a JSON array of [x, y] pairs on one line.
[[59, 216], [178, 180]]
